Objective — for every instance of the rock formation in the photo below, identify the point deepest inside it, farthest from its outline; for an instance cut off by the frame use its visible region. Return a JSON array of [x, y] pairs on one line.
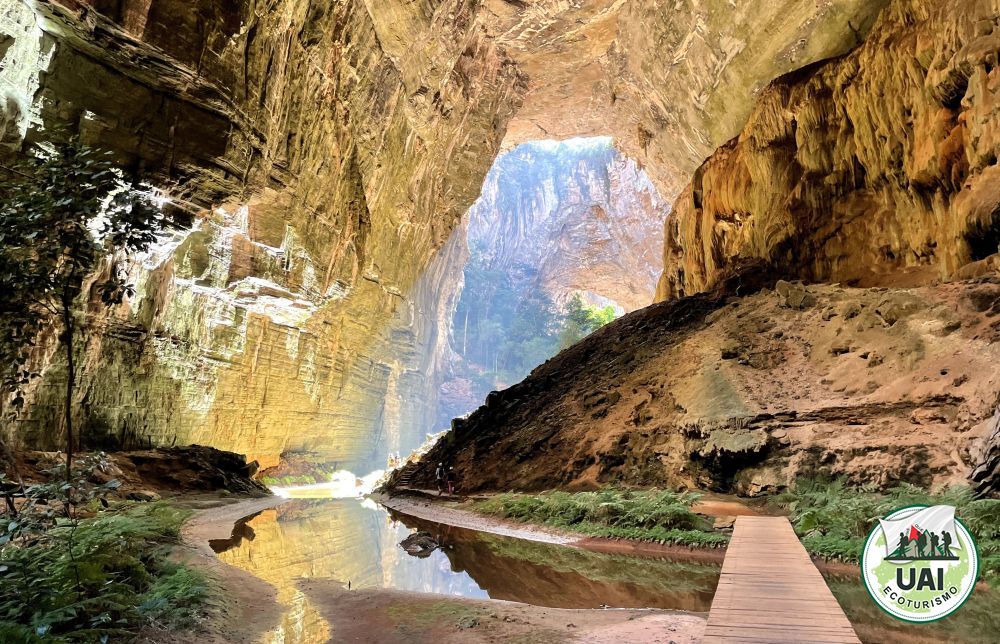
[[298, 311], [747, 394], [320, 154], [582, 215], [875, 168]]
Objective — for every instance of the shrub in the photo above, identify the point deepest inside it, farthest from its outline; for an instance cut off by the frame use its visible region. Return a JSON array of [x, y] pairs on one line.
[[654, 515], [96, 578], [833, 519]]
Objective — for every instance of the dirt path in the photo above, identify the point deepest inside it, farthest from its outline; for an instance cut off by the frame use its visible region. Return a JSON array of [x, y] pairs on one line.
[[448, 512], [451, 513], [389, 616]]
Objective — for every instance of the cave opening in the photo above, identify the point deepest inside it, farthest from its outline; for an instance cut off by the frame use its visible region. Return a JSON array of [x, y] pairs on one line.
[[564, 238], [984, 239]]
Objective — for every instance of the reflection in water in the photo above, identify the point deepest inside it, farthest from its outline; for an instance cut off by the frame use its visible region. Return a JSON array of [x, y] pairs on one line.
[[357, 541]]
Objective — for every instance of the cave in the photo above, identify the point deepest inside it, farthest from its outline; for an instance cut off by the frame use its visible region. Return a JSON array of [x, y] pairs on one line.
[[345, 302], [984, 239]]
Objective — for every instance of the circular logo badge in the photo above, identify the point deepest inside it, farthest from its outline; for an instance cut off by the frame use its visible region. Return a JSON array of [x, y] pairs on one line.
[[920, 563]]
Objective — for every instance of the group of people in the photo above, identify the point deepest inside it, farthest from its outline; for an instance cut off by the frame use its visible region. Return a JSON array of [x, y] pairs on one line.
[[395, 460], [445, 478], [927, 543]]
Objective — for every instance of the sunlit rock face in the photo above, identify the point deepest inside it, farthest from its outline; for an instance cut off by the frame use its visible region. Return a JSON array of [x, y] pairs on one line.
[[578, 215], [878, 168], [298, 313], [671, 80], [325, 151]]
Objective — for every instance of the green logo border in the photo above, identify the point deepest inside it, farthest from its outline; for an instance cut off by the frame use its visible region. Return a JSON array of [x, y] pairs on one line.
[[864, 581]]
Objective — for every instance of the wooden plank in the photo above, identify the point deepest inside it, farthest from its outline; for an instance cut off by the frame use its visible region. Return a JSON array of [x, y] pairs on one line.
[[770, 591]]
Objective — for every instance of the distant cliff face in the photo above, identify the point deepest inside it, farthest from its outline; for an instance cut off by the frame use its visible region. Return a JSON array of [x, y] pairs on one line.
[[553, 220], [580, 215], [878, 168]]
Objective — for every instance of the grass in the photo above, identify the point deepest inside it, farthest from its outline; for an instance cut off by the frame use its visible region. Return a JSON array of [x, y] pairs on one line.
[[99, 578], [648, 515], [833, 518]]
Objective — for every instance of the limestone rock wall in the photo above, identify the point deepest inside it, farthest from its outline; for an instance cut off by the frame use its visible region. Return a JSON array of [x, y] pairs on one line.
[[321, 154], [298, 310], [580, 216], [875, 168], [670, 80]]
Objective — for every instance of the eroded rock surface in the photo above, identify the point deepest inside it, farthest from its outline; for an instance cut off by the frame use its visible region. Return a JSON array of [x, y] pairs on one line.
[[323, 153], [571, 217], [301, 309], [746, 394], [875, 168]]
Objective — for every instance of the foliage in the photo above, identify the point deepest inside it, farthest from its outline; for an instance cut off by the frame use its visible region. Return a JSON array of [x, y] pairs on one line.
[[176, 598], [504, 325], [834, 518], [63, 208], [582, 320], [67, 578], [97, 578], [655, 515]]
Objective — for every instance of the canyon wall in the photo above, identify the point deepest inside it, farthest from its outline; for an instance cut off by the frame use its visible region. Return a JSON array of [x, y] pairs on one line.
[[319, 154], [670, 80], [299, 308], [875, 168], [579, 215]]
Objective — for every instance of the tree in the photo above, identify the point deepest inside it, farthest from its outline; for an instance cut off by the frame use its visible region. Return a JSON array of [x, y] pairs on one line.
[[581, 320], [64, 208]]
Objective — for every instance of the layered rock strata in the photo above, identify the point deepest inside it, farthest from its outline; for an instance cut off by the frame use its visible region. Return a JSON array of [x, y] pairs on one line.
[[323, 153], [297, 312], [878, 168]]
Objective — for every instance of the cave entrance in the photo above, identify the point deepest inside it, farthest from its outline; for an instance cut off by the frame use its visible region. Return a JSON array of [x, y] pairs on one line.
[[565, 237]]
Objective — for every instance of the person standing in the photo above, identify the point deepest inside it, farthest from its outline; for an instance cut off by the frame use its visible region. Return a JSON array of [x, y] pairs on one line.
[[439, 477]]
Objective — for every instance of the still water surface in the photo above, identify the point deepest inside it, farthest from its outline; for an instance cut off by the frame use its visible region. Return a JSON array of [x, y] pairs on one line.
[[357, 541]]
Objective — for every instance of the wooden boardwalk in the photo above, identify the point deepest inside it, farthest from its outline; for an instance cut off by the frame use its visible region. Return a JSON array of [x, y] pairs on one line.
[[770, 591]]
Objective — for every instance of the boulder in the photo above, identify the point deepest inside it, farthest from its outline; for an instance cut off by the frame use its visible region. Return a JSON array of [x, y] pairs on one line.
[[419, 544]]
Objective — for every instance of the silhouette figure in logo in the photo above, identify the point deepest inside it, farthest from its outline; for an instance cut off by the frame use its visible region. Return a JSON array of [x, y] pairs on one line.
[[904, 545], [928, 545], [922, 544], [946, 546]]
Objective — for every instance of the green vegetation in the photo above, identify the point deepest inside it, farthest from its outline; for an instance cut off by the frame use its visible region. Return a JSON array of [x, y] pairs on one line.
[[833, 518], [64, 209], [581, 320], [505, 326], [68, 578], [290, 481], [649, 515]]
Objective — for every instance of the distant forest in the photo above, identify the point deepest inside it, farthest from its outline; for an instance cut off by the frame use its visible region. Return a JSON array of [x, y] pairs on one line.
[[505, 325]]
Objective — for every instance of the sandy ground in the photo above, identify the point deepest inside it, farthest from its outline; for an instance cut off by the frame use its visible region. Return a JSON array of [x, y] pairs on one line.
[[389, 616]]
